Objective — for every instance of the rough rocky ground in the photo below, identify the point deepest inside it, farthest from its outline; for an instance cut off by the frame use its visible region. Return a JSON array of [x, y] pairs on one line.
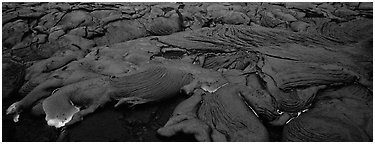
[[302, 44]]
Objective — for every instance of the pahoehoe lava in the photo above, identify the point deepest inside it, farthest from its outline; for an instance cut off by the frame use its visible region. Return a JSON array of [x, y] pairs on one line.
[[187, 71]]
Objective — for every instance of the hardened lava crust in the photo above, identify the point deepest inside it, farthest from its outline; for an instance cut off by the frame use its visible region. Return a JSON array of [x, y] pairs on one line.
[[184, 71]]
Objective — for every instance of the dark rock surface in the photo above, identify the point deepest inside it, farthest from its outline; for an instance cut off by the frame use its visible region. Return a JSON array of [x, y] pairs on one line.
[[309, 64]]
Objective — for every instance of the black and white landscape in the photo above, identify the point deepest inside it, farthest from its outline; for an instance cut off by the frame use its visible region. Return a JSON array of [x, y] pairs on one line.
[[187, 71]]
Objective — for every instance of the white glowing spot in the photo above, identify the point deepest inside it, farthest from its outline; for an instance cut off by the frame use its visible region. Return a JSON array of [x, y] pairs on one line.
[[209, 89], [55, 122], [253, 111], [305, 110], [279, 112], [16, 117], [299, 113], [55, 90], [289, 120], [63, 119]]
